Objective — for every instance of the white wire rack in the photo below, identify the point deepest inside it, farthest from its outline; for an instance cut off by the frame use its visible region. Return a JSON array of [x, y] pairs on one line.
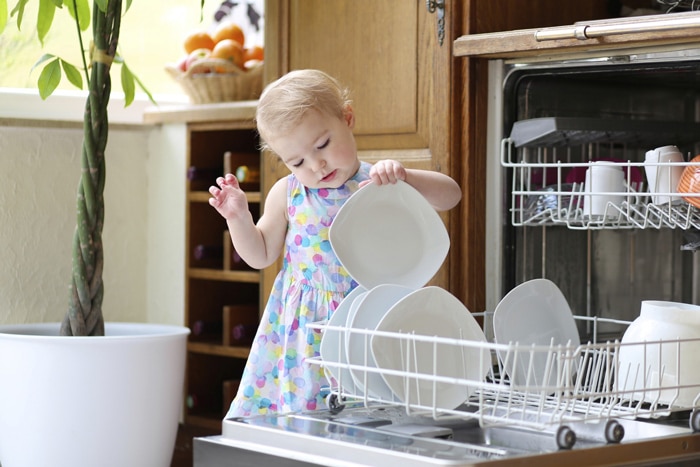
[[569, 390], [544, 193]]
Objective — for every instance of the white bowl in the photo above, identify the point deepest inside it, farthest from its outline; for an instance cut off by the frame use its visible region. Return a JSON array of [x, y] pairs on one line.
[[389, 234], [365, 314], [332, 347], [533, 313], [432, 312], [660, 352]]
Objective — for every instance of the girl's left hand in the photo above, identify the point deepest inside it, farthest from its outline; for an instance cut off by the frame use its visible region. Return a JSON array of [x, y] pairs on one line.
[[386, 172]]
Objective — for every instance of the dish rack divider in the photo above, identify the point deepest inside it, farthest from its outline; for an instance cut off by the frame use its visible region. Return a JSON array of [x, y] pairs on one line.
[[584, 390], [541, 196]]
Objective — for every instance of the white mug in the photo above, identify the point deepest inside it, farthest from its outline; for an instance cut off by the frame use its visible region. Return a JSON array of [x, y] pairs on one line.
[[662, 177], [605, 183]]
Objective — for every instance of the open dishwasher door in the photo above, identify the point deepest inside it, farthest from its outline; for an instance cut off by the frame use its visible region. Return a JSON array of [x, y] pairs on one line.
[[385, 436]]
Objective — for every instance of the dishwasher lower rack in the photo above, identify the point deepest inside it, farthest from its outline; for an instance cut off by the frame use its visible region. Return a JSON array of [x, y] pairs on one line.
[[547, 188], [564, 389]]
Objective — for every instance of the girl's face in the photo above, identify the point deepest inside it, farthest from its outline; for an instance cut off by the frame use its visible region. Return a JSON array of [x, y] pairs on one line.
[[320, 151]]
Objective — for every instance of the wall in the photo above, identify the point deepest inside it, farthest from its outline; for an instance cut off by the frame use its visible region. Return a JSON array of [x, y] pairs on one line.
[[143, 233]]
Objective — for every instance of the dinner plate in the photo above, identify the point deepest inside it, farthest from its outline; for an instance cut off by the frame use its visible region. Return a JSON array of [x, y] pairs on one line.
[[533, 313], [389, 234], [332, 347], [432, 312], [365, 313]]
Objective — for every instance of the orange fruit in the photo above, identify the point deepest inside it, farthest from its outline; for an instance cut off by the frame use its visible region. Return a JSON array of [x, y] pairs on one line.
[[254, 53], [228, 31], [198, 40], [230, 50]]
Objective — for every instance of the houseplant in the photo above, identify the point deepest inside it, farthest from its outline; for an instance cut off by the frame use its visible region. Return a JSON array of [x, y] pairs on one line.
[[116, 397]]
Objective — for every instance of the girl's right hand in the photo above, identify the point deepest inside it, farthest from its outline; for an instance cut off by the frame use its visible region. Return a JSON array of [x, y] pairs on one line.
[[228, 198]]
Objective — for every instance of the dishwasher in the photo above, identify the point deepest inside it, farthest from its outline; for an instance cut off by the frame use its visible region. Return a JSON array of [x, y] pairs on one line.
[[549, 122], [583, 403]]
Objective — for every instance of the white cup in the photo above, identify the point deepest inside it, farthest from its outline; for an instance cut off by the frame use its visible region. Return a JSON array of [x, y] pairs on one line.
[[605, 183], [662, 177]]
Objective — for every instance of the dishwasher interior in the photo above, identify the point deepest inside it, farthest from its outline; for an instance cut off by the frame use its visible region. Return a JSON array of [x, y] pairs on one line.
[[557, 120]]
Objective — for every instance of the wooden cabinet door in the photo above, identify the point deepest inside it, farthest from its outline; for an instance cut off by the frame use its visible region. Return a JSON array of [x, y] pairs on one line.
[[387, 53]]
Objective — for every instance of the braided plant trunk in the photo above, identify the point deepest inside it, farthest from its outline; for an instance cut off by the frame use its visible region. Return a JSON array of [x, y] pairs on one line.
[[84, 316]]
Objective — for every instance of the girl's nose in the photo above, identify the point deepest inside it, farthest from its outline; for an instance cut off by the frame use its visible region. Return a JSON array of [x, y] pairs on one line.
[[318, 164]]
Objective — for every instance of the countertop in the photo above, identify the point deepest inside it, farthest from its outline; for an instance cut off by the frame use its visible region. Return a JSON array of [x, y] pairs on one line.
[[677, 30], [189, 113]]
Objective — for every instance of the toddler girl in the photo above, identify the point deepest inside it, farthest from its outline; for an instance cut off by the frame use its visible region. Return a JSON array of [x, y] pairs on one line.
[[306, 119]]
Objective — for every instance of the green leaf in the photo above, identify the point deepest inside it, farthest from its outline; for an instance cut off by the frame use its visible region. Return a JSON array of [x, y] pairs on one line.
[[44, 19], [144, 89], [102, 4], [83, 12], [19, 11], [49, 78], [127, 85], [3, 15], [41, 60], [73, 74]]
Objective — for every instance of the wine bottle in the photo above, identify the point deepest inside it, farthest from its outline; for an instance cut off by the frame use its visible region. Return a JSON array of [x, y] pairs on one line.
[[204, 252], [195, 173], [243, 333], [191, 401], [206, 328], [232, 260], [248, 174]]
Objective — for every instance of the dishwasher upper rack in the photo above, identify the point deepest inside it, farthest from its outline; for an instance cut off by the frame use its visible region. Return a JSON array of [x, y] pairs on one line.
[[542, 195], [581, 392]]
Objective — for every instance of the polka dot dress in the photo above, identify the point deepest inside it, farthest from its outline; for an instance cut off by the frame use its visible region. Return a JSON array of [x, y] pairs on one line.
[[309, 288]]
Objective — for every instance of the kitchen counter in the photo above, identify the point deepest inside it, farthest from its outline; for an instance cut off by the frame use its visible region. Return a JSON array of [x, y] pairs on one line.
[[190, 113], [680, 30]]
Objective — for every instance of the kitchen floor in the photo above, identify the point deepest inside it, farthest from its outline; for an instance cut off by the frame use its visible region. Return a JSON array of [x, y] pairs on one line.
[[182, 455]]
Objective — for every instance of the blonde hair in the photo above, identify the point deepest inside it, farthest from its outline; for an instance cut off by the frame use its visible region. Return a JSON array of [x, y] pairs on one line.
[[284, 102]]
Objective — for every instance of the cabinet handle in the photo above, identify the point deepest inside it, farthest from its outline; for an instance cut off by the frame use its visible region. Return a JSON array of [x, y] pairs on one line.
[[439, 6], [584, 31]]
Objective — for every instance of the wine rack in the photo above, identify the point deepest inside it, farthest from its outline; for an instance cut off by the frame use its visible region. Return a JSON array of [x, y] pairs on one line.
[[222, 293]]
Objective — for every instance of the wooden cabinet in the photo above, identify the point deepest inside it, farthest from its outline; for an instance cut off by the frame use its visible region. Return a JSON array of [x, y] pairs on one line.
[[222, 294]]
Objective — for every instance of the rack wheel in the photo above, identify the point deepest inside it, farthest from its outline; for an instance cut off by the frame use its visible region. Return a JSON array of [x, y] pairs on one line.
[[566, 438], [334, 404], [614, 432], [695, 420]]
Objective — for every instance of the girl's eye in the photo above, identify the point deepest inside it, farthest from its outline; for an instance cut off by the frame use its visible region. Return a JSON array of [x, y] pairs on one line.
[[324, 144], [298, 164]]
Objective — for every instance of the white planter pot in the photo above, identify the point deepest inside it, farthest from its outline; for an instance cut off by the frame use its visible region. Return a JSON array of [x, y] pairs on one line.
[[89, 401]]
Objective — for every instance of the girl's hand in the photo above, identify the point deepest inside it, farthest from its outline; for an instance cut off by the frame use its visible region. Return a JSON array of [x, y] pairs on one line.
[[386, 172], [228, 198]]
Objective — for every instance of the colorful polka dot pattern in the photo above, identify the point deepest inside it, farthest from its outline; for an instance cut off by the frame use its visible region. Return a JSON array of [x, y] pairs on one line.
[[309, 288]]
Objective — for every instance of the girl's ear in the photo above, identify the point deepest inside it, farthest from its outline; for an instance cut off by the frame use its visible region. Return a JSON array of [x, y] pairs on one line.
[[349, 116]]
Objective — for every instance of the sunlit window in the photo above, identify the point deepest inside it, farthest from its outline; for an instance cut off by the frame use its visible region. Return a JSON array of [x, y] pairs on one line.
[[152, 34]]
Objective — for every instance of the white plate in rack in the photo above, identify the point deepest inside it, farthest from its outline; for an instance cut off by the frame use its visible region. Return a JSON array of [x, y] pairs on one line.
[[332, 347], [431, 312], [534, 313], [364, 315], [389, 234]]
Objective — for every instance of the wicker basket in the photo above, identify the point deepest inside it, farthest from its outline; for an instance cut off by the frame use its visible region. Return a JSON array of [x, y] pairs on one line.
[[229, 83]]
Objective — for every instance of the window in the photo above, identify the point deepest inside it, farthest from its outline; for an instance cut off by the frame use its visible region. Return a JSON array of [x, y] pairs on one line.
[[151, 35]]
